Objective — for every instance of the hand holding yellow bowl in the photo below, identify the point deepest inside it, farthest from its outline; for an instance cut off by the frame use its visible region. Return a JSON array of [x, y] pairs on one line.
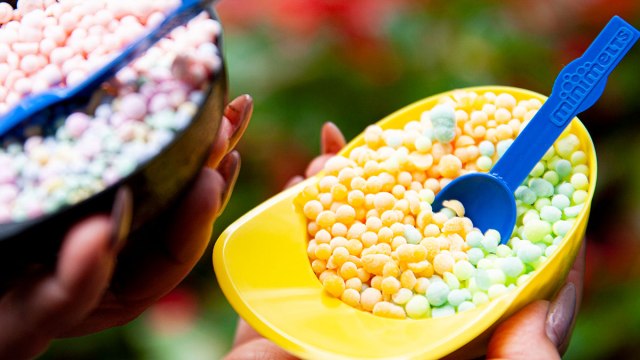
[[262, 267]]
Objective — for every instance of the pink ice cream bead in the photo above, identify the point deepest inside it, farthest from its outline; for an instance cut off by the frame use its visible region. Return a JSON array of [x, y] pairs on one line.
[[26, 6], [8, 193], [25, 48], [60, 55], [76, 76], [23, 86], [134, 106], [51, 74], [159, 102], [5, 213], [7, 175], [5, 69], [56, 33], [30, 64], [77, 123], [6, 13], [46, 46]]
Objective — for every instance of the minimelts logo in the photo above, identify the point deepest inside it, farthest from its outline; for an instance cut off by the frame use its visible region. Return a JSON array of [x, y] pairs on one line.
[[577, 85]]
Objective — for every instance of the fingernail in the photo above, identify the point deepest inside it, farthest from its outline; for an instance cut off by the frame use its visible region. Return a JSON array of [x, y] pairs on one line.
[[331, 139], [293, 181], [561, 313], [121, 214], [239, 113], [229, 168]]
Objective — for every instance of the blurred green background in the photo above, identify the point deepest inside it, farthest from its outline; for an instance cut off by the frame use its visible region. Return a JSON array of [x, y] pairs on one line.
[[352, 62]]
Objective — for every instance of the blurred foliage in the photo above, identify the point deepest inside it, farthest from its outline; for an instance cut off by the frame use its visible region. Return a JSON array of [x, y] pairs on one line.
[[353, 62]]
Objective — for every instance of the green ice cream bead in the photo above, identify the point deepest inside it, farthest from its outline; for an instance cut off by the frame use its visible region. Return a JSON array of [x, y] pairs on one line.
[[503, 251], [497, 276], [490, 243], [521, 210], [443, 135], [480, 298], [522, 279], [560, 201], [563, 168], [511, 266], [486, 148], [552, 177], [502, 146], [573, 211], [579, 196], [443, 114], [561, 227], [412, 234], [526, 195], [418, 307], [541, 187], [474, 238], [443, 311], [457, 297], [579, 158], [537, 170], [567, 145], [475, 255], [437, 293], [463, 270], [492, 233], [529, 253], [536, 230], [551, 152], [484, 163], [550, 250], [581, 169], [551, 163], [542, 202], [496, 290], [565, 189], [580, 181], [451, 280], [485, 264], [530, 216], [550, 214], [466, 306], [483, 280]]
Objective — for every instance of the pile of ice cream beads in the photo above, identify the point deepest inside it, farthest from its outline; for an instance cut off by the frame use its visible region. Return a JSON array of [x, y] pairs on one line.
[[48, 43], [375, 241]]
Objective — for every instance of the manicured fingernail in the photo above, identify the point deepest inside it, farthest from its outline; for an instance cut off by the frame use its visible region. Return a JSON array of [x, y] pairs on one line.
[[560, 314], [239, 113], [229, 168], [293, 181], [121, 214], [331, 139]]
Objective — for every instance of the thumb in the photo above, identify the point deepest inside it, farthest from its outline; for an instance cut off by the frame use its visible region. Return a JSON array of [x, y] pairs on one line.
[[523, 336]]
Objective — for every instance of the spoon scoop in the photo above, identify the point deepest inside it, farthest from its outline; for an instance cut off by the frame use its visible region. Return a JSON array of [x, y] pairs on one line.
[[36, 109], [488, 197]]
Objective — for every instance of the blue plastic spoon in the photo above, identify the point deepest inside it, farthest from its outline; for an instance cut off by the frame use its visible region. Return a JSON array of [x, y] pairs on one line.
[[488, 198], [33, 108]]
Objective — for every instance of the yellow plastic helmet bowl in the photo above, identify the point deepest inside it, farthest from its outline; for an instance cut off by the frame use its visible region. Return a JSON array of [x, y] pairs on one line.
[[263, 269]]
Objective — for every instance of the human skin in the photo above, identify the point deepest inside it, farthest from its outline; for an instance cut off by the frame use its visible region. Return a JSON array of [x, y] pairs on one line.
[[541, 330], [100, 279]]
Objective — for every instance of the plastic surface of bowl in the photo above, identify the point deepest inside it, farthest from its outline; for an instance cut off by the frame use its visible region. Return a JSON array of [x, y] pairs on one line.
[[263, 269], [155, 184]]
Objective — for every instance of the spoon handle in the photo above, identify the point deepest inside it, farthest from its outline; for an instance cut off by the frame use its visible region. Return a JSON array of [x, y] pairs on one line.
[[29, 108], [576, 88]]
